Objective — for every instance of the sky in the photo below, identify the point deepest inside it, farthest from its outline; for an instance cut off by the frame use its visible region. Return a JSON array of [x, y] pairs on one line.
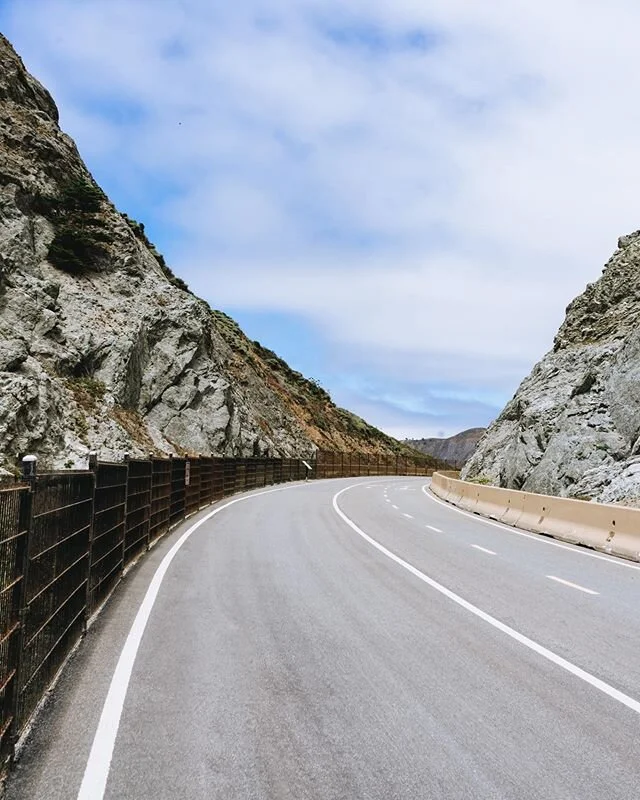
[[399, 197]]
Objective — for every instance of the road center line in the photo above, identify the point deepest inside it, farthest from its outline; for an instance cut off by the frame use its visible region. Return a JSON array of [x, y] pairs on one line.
[[96, 774], [572, 585], [530, 644], [432, 528], [484, 549]]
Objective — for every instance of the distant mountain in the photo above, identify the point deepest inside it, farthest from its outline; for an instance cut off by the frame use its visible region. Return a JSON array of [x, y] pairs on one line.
[[456, 450]]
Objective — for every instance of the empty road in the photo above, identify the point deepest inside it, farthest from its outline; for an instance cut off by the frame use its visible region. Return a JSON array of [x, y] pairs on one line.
[[351, 639]]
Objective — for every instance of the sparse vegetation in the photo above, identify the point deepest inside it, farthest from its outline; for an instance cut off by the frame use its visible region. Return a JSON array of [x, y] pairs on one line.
[[87, 392], [482, 480], [139, 232], [80, 234]]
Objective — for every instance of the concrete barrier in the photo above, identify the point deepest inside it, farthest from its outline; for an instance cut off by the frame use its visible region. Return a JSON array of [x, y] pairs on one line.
[[607, 528]]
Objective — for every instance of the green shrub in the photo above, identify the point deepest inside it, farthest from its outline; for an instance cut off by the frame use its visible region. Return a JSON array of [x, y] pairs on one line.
[[79, 235], [80, 195], [75, 248]]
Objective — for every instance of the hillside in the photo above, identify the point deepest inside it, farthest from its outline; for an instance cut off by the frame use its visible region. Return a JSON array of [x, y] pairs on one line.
[[102, 347], [455, 450], [573, 426]]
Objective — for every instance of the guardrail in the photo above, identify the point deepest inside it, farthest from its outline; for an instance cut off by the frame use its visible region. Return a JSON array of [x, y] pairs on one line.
[[66, 539], [610, 529]]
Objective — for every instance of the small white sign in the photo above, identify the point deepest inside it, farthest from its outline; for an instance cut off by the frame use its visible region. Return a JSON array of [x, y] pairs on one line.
[[307, 465]]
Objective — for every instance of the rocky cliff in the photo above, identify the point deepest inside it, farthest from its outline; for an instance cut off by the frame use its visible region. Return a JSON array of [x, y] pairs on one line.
[[573, 426], [102, 347], [455, 450]]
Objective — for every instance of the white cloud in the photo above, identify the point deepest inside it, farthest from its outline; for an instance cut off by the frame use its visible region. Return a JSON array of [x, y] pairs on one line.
[[430, 208]]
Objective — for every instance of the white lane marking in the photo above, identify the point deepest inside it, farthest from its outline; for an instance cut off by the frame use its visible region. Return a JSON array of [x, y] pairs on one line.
[[536, 537], [554, 658], [408, 516], [572, 585], [387, 500], [96, 774], [484, 549], [432, 528], [394, 506]]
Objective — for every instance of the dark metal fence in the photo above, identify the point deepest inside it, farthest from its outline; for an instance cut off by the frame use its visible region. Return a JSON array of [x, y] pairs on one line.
[[108, 540], [57, 572], [160, 519], [15, 511], [66, 539], [138, 505]]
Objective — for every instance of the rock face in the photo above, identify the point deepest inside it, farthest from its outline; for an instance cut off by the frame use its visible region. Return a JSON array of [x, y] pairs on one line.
[[573, 426], [102, 347], [456, 450]]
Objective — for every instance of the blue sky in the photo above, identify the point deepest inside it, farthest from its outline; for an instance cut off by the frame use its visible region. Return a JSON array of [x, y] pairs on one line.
[[400, 197]]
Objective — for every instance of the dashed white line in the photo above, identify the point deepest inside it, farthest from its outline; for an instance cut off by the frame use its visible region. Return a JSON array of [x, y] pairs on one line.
[[432, 528], [530, 644], [408, 516], [484, 549], [572, 585], [395, 506]]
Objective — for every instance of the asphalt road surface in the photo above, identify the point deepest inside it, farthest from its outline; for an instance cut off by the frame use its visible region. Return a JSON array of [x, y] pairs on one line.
[[351, 639]]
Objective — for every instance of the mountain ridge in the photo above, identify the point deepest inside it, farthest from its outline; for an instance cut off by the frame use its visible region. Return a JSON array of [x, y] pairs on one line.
[[102, 347], [455, 450]]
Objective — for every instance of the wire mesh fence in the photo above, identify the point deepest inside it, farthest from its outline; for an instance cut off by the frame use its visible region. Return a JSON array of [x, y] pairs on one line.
[[108, 539], [138, 509], [160, 512], [57, 571], [15, 509], [67, 537]]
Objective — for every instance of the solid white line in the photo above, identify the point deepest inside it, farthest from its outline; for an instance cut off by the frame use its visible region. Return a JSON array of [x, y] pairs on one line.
[[431, 528], [96, 774], [572, 585], [408, 516], [554, 658], [536, 537], [484, 549]]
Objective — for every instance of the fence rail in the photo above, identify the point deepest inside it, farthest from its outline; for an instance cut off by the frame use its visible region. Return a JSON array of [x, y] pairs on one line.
[[67, 537]]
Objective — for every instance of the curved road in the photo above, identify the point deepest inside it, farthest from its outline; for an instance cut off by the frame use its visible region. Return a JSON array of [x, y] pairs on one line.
[[352, 639]]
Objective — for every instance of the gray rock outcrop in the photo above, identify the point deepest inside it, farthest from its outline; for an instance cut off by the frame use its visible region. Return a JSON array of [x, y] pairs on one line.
[[102, 347], [573, 427]]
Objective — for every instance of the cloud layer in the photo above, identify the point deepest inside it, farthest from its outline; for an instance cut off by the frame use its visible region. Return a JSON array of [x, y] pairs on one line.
[[425, 185]]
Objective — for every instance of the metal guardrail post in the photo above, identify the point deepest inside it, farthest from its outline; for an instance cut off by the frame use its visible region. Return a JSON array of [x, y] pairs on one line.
[[93, 467], [126, 457], [29, 472]]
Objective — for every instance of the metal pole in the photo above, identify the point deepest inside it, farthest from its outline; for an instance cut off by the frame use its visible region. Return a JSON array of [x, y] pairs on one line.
[[29, 468]]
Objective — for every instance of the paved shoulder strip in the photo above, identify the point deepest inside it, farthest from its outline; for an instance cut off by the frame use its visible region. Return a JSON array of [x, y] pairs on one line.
[[554, 658], [94, 782]]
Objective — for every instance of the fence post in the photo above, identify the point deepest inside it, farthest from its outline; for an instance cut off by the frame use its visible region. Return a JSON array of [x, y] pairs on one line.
[[29, 471], [93, 467], [126, 457]]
